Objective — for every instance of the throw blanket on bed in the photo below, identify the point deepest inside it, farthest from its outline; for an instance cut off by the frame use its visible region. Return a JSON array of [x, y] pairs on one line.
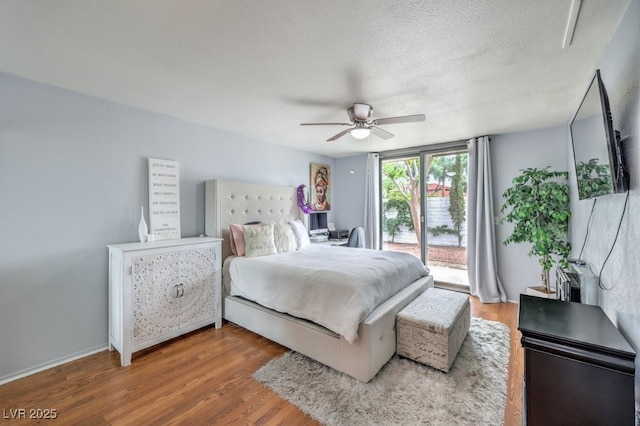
[[336, 287]]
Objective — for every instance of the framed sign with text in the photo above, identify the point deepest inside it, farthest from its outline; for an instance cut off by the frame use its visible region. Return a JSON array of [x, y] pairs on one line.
[[164, 199]]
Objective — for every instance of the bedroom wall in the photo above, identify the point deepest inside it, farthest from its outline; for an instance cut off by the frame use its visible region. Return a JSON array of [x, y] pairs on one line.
[[620, 69], [350, 176], [73, 175], [509, 154]]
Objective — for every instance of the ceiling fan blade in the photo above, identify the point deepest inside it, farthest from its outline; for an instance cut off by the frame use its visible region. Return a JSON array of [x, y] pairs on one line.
[[381, 133], [326, 124], [403, 119], [339, 135]]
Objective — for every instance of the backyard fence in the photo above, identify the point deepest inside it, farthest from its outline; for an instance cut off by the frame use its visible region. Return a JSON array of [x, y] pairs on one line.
[[437, 215]]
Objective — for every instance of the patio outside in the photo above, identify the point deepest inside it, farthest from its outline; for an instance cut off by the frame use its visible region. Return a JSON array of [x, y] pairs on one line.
[[447, 263]]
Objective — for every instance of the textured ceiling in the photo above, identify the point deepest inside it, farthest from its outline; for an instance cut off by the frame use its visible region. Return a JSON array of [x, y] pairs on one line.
[[259, 68]]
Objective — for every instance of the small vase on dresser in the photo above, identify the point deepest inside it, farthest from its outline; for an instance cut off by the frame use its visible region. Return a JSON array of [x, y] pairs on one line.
[[142, 226]]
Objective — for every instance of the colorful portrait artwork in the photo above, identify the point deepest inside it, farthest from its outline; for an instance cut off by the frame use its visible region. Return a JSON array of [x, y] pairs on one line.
[[320, 184]]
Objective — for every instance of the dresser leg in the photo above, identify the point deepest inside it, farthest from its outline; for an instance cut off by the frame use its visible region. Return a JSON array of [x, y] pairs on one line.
[[125, 358]]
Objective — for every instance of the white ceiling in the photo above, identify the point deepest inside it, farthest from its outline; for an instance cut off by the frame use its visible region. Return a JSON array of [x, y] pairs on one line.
[[259, 68]]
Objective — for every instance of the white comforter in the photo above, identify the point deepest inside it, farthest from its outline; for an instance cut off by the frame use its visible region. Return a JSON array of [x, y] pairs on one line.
[[336, 287]]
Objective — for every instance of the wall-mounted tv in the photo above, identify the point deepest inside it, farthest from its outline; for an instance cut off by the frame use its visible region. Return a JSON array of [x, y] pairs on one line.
[[597, 152]]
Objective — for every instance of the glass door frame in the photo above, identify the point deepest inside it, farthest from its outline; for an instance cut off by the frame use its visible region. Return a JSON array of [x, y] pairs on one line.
[[422, 152]]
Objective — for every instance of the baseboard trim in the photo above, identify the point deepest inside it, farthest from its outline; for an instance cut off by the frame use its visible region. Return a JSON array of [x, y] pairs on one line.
[[50, 364]]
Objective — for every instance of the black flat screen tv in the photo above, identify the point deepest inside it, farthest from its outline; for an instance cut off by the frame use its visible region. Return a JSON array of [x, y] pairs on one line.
[[597, 152]]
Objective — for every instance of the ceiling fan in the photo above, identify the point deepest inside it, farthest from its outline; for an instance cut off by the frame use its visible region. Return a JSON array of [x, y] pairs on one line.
[[362, 125]]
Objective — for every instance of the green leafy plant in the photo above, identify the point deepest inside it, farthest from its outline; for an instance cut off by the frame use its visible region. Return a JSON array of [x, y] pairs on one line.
[[440, 230], [538, 206], [594, 179], [392, 226], [401, 180], [457, 208]]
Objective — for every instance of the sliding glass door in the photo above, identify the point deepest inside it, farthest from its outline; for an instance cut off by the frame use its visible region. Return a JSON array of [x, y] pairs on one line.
[[424, 208], [402, 205]]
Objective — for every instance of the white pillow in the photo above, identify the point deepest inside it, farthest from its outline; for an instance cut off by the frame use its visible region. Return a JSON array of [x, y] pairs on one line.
[[300, 232], [258, 240], [284, 237]]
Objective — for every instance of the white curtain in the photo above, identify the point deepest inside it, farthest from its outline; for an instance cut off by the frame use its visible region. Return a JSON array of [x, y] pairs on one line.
[[372, 203], [481, 250]]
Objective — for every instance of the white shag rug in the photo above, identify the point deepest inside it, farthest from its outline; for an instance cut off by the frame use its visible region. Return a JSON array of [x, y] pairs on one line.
[[404, 392]]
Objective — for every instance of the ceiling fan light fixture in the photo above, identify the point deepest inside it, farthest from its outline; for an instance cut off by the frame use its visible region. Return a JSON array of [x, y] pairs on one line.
[[361, 125], [360, 132]]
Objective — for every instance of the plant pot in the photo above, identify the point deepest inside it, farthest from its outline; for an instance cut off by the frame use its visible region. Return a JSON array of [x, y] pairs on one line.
[[541, 291]]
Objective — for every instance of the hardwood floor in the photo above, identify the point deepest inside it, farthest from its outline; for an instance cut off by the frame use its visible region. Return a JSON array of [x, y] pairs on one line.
[[202, 378]]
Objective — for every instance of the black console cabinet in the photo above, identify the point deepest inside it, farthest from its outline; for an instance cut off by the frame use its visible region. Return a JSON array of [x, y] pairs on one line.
[[579, 369]]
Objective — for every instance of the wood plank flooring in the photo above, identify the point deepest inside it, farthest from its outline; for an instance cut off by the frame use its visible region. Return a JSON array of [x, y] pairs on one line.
[[204, 377]]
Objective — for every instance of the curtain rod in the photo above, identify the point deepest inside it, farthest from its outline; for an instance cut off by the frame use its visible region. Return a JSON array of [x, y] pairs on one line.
[[433, 148]]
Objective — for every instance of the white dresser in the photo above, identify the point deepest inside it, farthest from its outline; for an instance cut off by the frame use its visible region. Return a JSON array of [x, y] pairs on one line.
[[162, 289]]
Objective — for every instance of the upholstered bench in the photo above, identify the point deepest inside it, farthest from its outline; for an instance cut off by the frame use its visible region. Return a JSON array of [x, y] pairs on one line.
[[431, 329]]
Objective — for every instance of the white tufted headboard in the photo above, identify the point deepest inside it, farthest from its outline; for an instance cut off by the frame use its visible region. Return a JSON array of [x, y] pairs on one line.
[[238, 202]]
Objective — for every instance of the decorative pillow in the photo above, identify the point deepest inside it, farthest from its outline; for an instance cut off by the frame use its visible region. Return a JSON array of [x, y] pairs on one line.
[[300, 233], [259, 240], [283, 237], [236, 239]]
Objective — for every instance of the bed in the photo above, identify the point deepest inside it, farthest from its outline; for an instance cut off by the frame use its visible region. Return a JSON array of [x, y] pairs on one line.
[[229, 202]]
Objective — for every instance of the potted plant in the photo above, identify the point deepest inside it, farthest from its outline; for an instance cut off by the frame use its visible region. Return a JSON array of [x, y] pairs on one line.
[[538, 206]]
